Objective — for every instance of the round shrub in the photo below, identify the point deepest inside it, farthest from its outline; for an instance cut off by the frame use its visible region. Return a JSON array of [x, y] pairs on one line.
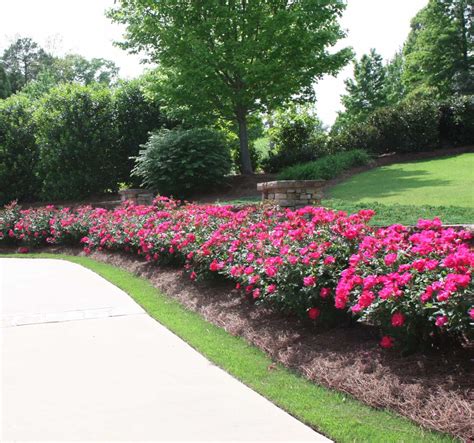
[[18, 150], [179, 162], [77, 136]]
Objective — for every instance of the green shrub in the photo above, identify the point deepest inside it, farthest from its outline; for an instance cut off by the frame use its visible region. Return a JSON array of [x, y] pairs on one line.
[[137, 115], [296, 137], [77, 136], [353, 136], [180, 162], [410, 126], [327, 167], [456, 125], [18, 150]]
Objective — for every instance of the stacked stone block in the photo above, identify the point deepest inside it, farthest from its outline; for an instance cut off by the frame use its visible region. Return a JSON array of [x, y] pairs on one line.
[[137, 196], [292, 193]]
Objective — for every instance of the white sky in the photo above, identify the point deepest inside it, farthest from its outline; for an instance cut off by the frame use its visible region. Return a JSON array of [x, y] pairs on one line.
[[64, 26]]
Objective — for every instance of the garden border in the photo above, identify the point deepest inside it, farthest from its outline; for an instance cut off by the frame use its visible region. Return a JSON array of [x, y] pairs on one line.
[[336, 415]]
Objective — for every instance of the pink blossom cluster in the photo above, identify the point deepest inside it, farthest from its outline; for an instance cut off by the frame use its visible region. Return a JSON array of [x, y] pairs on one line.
[[315, 262]]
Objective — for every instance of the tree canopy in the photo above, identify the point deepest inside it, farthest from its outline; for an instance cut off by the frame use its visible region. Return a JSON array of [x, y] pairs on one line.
[[26, 66], [5, 87], [236, 57], [366, 91], [439, 51], [23, 60], [74, 68]]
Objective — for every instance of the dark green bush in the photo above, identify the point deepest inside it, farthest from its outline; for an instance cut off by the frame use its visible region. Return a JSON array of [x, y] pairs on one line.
[[77, 136], [456, 125], [179, 162], [18, 150], [410, 126], [353, 136], [296, 137], [327, 167], [137, 115]]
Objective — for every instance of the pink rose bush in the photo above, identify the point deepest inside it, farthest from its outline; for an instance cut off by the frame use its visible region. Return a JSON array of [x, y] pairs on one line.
[[415, 285], [323, 265]]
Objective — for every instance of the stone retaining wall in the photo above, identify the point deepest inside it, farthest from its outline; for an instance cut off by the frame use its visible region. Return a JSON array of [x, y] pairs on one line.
[[292, 193], [137, 196]]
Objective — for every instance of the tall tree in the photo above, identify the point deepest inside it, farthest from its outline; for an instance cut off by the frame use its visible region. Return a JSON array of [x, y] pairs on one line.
[[394, 87], [5, 88], [439, 51], [366, 91], [23, 60], [236, 57]]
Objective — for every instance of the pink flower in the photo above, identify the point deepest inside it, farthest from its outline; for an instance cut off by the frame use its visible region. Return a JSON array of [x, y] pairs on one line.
[[471, 313], [23, 250], [256, 293], [325, 292], [309, 280], [329, 260], [398, 319], [441, 320], [390, 259], [271, 289], [387, 342], [313, 313], [271, 271], [216, 266]]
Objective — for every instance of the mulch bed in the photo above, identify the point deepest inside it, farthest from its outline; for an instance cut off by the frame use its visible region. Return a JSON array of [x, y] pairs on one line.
[[435, 389]]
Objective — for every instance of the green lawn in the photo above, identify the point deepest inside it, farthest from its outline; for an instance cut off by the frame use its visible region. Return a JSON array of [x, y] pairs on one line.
[[447, 181], [336, 415]]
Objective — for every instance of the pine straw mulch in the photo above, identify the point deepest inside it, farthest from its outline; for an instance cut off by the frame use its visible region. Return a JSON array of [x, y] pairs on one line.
[[434, 389]]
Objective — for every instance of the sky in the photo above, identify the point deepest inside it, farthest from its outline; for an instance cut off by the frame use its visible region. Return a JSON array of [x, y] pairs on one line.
[[80, 26]]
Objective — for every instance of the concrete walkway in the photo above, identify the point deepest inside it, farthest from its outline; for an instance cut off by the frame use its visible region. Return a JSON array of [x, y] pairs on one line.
[[80, 360]]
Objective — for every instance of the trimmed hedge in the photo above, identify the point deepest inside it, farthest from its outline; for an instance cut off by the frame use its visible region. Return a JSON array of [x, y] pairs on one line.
[[18, 150], [77, 136], [411, 126], [327, 167]]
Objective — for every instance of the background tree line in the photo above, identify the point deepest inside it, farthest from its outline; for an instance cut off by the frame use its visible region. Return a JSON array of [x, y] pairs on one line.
[[435, 63], [69, 127]]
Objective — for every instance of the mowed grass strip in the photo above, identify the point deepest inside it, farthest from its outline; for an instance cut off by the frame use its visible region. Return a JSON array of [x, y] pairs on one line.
[[338, 416], [389, 214], [446, 181]]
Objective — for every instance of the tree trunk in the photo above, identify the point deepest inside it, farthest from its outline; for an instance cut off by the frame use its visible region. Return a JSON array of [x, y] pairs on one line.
[[245, 161]]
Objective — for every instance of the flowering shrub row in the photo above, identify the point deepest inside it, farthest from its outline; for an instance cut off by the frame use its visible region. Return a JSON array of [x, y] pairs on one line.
[[318, 263]]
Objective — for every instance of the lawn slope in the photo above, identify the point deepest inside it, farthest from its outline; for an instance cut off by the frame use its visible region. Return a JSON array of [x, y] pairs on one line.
[[447, 181]]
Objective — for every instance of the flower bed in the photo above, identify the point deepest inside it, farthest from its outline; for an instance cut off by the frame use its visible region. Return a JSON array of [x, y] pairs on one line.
[[324, 265]]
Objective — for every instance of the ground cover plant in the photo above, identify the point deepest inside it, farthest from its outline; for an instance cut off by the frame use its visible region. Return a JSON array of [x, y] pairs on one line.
[[320, 264], [327, 167]]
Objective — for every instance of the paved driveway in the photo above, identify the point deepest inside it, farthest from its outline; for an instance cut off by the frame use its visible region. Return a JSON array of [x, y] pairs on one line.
[[80, 360]]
